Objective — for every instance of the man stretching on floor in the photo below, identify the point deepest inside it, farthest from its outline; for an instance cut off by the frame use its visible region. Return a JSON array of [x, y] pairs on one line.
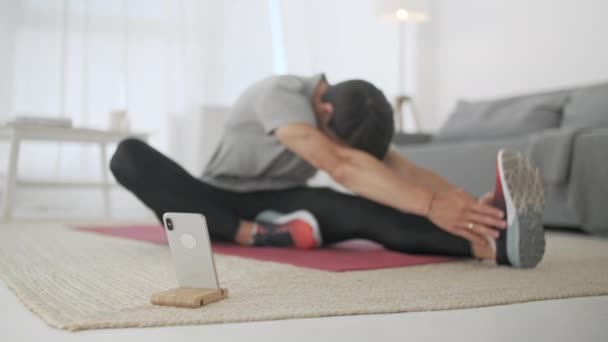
[[285, 128]]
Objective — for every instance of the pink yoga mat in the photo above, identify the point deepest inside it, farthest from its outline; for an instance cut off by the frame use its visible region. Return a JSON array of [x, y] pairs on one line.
[[350, 255]]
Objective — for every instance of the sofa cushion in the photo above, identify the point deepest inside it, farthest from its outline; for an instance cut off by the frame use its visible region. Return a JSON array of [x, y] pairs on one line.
[[551, 151], [514, 116], [588, 107], [588, 187]]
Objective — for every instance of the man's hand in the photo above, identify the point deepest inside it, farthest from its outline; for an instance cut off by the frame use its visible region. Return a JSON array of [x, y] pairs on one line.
[[460, 214]]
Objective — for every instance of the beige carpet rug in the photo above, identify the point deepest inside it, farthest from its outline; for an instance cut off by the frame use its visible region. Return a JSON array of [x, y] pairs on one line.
[[76, 281]]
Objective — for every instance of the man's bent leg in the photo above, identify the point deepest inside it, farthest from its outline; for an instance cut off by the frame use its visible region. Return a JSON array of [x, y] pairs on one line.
[[163, 186]]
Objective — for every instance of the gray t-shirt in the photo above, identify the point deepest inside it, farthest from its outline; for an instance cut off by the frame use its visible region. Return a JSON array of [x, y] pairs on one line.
[[249, 157]]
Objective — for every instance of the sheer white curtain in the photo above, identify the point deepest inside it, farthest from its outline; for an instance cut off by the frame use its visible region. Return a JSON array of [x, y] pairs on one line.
[[343, 38], [161, 60]]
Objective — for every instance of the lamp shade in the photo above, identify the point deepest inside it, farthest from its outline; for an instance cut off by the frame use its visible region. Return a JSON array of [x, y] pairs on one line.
[[404, 10]]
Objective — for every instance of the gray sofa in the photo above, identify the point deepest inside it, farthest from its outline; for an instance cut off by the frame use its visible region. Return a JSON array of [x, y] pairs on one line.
[[565, 132]]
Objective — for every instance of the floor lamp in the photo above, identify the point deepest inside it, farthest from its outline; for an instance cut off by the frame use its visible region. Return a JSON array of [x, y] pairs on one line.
[[402, 11]]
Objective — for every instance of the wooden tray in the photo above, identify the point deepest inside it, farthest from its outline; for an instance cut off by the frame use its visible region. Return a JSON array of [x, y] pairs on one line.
[[188, 297]]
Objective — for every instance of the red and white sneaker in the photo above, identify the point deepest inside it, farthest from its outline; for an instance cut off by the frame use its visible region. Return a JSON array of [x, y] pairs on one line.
[[298, 229], [519, 193]]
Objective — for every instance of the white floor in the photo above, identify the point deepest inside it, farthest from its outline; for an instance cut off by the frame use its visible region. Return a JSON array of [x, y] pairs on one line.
[[578, 319]]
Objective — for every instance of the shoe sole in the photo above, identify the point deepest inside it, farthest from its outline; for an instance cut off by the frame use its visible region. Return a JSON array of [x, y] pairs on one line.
[[278, 218], [524, 199]]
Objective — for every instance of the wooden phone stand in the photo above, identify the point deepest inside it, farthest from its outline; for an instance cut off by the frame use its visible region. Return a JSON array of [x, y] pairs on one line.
[[188, 297]]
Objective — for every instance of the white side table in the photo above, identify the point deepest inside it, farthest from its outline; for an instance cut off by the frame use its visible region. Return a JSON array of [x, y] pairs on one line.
[[15, 134]]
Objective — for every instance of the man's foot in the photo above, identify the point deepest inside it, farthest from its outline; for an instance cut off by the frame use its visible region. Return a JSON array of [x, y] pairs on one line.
[[484, 252], [298, 229], [519, 192]]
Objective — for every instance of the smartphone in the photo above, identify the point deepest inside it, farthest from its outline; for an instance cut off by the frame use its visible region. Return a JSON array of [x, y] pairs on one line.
[[191, 250]]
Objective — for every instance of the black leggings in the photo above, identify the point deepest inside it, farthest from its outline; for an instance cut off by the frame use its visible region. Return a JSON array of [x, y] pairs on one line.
[[164, 186]]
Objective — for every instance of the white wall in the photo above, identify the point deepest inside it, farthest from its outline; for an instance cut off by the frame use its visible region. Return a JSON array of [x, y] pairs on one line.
[[487, 48]]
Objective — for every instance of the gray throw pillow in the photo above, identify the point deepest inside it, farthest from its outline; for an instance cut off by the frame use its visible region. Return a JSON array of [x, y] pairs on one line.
[[588, 107], [514, 116]]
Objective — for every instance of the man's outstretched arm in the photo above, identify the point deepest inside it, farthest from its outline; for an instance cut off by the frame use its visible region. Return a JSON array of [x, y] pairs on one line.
[[408, 169], [372, 179]]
